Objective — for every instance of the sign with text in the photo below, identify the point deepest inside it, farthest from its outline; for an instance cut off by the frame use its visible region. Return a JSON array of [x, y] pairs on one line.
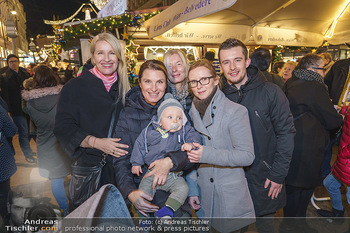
[[205, 33], [278, 36], [183, 11]]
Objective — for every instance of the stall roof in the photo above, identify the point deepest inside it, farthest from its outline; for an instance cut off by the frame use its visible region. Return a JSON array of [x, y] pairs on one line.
[[269, 22]]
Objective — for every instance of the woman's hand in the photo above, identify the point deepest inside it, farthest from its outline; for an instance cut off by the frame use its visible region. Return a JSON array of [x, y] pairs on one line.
[[160, 171], [142, 202], [195, 155], [194, 202], [109, 146]]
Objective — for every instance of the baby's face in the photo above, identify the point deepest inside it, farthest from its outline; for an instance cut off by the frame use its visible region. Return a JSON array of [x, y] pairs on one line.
[[171, 119]]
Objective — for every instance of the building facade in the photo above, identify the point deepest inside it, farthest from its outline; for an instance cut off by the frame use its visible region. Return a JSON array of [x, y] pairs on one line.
[[20, 43]]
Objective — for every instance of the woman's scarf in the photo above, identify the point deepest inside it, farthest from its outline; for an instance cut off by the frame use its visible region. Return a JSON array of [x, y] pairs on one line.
[[179, 95], [107, 80], [202, 105], [309, 75]]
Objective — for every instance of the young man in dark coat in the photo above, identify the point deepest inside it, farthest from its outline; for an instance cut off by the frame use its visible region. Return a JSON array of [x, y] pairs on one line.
[[11, 86], [261, 59], [272, 129], [314, 115]]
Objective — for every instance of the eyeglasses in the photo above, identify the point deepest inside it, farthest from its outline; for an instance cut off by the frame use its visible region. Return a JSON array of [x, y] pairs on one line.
[[13, 61], [202, 81], [319, 68]]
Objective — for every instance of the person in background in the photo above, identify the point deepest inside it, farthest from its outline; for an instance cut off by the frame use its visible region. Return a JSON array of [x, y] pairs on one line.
[[272, 129], [277, 66], [219, 189], [41, 106], [261, 58], [141, 105], [314, 115], [340, 172], [190, 58], [68, 74], [30, 69], [287, 69], [210, 56], [335, 80], [11, 87], [7, 162], [86, 105], [328, 61], [176, 64]]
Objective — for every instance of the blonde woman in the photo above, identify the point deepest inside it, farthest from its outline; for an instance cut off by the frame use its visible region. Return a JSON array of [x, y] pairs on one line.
[[86, 105], [287, 70]]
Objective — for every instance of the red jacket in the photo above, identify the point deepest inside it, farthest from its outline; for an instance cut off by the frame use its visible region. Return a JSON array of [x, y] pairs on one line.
[[341, 167]]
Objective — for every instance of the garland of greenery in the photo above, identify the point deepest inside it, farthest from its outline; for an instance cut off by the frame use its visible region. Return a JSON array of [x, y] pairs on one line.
[[109, 23]]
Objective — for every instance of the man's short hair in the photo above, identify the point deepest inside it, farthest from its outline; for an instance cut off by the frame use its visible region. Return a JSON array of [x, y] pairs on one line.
[[11, 56], [210, 56], [308, 61], [261, 58], [231, 43]]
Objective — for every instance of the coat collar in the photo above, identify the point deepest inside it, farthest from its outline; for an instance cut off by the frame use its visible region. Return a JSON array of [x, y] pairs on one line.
[[201, 125], [41, 92]]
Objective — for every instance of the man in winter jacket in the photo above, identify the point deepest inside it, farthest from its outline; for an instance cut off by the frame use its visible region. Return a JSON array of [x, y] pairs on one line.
[[11, 86], [272, 128]]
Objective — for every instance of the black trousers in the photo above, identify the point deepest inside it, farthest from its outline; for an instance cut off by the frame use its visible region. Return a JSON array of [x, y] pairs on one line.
[[297, 201]]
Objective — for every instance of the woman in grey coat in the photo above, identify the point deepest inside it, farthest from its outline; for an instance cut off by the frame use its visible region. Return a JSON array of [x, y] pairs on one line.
[[41, 106], [219, 188]]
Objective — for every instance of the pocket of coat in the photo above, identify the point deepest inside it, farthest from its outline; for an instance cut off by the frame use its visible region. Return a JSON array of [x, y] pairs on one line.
[[261, 120], [236, 200]]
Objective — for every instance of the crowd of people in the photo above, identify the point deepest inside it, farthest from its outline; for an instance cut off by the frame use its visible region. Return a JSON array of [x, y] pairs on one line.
[[242, 144]]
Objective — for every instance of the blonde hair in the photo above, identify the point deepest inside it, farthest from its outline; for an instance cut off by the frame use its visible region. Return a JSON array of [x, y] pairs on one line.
[[292, 63], [123, 81], [166, 60]]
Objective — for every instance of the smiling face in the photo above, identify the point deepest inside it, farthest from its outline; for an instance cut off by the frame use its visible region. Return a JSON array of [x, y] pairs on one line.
[[176, 69], [202, 91], [171, 119], [105, 58], [153, 85], [234, 65]]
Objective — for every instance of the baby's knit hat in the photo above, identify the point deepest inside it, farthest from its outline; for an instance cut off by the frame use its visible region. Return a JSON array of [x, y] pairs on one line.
[[170, 101]]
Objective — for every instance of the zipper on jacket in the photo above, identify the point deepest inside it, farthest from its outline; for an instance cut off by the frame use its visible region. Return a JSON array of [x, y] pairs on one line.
[[239, 96], [261, 120], [267, 165]]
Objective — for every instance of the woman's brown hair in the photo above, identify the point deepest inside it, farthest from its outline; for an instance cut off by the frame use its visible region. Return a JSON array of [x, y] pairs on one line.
[[153, 65], [44, 77]]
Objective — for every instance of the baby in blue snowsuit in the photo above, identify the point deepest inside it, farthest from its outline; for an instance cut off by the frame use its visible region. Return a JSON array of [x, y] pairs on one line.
[[168, 131]]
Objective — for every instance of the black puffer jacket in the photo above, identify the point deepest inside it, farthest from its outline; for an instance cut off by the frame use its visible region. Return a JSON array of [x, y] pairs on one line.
[[273, 135], [134, 117], [336, 78]]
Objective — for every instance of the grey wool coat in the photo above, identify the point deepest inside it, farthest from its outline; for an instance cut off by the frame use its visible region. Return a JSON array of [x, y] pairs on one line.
[[41, 106], [220, 181]]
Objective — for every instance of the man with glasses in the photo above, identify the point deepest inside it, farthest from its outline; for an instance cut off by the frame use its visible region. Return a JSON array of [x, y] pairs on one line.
[[11, 84], [272, 129], [314, 115]]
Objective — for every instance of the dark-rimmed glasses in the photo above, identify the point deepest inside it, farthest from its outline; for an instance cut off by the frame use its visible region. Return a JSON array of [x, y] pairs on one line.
[[202, 81]]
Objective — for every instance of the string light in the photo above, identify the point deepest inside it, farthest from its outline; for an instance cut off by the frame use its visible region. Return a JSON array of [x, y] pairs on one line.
[[330, 31]]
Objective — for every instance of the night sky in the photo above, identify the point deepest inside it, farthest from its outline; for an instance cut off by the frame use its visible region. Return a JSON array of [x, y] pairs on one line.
[[37, 10]]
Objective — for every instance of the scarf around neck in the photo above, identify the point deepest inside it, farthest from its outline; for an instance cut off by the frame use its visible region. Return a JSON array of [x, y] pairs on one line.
[[179, 95], [202, 105], [309, 75], [107, 80]]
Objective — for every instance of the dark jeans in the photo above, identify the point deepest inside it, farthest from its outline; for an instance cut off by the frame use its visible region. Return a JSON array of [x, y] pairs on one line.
[[4, 191], [326, 166], [23, 137], [297, 201]]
